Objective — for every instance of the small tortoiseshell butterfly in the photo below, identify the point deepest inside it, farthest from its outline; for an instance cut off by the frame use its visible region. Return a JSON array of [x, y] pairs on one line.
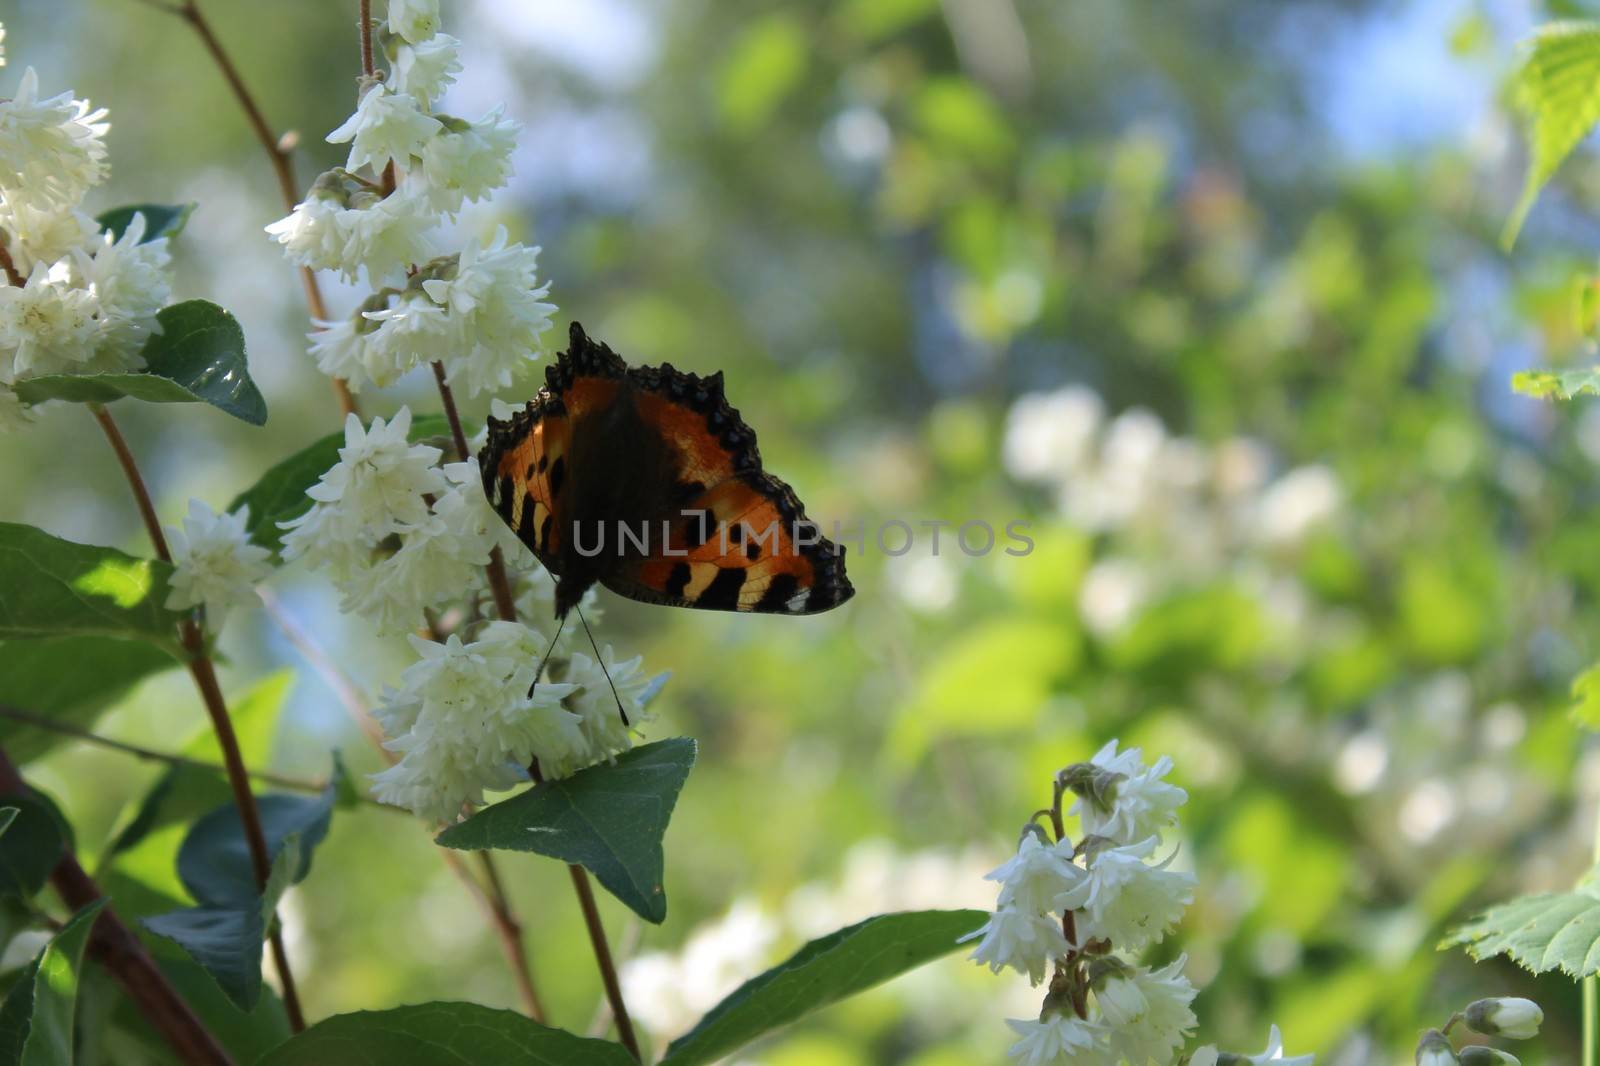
[[645, 480]]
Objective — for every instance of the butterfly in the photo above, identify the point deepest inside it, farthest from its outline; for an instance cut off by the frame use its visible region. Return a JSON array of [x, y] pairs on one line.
[[645, 480]]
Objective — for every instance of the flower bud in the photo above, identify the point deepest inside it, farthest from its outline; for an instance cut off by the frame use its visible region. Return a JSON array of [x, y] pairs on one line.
[[1516, 1018], [1434, 1050], [1478, 1055], [1093, 784]]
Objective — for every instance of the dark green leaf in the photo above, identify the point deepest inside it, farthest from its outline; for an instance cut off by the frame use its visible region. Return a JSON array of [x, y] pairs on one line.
[[160, 220], [225, 941], [609, 819], [441, 1034], [1557, 930], [32, 844], [198, 357], [245, 1035], [280, 495], [45, 677], [823, 972], [7, 816], [36, 1018], [51, 587], [214, 861]]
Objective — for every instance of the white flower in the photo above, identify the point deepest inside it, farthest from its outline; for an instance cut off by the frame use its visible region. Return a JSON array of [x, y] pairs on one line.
[[1507, 1016], [415, 20], [1023, 940], [386, 237], [597, 690], [1209, 1056], [1142, 804], [48, 324], [1036, 875], [14, 414], [1127, 901], [340, 349], [424, 70], [375, 489], [51, 151], [312, 235], [412, 331], [497, 304], [387, 126], [214, 565], [43, 235], [1148, 1013], [468, 160], [130, 278], [1060, 1040], [463, 722]]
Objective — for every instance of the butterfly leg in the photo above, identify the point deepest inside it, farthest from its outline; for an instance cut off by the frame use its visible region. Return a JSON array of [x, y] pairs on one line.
[[602, 661]]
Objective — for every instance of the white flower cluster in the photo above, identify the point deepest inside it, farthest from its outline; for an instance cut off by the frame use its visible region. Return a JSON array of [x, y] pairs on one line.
[[86, 301], [1080, 912], [481, 312], [1178, 509], [214, 564]]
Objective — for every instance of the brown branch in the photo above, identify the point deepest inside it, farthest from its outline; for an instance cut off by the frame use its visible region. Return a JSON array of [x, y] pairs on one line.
[[115, 947], [13, 276], [368, 67], [278, 154], [205, 679]]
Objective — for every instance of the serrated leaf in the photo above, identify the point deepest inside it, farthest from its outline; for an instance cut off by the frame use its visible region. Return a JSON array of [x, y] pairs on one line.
[[1559, 87], [280, 494], [36, 1018], [1553, 931], [825, 971], [160, 220], [198, 357], [32, 845], [609, 819], [441, 1034], [45, 676], [1557, 384], [51, 587]]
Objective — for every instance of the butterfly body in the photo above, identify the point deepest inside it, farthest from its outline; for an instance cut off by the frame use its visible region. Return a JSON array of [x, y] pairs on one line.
[[645, 480]]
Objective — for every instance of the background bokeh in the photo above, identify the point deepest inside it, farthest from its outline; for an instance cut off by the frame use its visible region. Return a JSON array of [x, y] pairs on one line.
[[1209, 292]]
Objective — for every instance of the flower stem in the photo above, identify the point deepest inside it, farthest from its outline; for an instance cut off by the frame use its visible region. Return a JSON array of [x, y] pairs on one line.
[[114, 946], [279, 154], [13, 276], [368, 67], [506, 606], [204, 674]]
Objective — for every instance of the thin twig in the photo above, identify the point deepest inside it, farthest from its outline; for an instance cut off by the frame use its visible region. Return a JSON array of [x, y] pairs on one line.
[[13, 275], [205, 679], [510, 931], [506, 606], [278, 154], [368, 67], [343, 687], [114, 946]]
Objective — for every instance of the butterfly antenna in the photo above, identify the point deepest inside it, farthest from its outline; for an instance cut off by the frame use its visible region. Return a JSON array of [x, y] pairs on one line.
[[560, 625], [601, 659]]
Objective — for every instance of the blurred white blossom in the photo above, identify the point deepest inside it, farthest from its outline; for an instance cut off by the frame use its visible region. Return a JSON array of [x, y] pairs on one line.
[[51, 150], [414, 20], [468, 160], [1148, 1013], [424, 70], [1059, 1040]]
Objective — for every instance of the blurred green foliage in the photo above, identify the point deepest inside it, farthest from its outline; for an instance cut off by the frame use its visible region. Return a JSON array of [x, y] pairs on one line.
[[887, 220]]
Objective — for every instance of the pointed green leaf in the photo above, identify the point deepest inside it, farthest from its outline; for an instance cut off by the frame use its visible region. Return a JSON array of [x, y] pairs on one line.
[[160, 220], [609, 819], [52, 587], [45, 677], [1554, 931], [36, 1018], [441, 1034], [1559, 87], [214, 861], [280, 495], [823, 972], [32, 845], [198, 357], [225, 941]]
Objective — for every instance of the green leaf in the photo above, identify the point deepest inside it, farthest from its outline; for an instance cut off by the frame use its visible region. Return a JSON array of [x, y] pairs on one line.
[[280, 495], [765, 65], [7, 816], [246, 1035], [36, 1018], [1557, 930], [1559, 86], [160, 220], [609, 819], [823, 972], [441, 1034], [181, 794], [52, 587], [45, 677], [1586, 698], [225, 941], [32, 845], [1557, 384], [198, 357]]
